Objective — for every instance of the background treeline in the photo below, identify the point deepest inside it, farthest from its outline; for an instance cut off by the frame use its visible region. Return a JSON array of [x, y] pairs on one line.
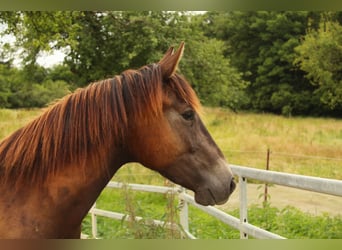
[[286, 63]]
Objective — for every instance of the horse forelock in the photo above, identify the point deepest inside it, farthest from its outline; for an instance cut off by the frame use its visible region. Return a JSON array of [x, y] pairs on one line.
[[184, 91], [84, 126]]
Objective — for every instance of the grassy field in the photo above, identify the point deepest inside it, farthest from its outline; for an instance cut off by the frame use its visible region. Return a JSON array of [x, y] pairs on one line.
[[310, 146]]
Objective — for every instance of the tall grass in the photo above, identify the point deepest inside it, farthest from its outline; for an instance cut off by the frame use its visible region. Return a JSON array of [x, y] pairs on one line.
[[11, 120], [310, 146]]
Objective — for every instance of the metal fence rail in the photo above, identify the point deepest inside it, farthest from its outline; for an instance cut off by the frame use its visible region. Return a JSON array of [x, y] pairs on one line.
[[316, 184]]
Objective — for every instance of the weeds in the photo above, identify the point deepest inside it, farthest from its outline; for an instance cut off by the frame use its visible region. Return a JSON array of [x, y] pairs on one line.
[[141, 210]]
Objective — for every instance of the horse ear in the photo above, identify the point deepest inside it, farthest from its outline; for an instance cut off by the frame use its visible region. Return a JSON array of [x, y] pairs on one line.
[[170, 60]]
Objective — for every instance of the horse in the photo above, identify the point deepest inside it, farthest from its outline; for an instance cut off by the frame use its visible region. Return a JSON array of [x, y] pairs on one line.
[[53, 169]]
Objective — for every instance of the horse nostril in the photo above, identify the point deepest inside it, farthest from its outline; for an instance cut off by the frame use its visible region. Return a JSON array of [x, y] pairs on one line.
[[232, 185]]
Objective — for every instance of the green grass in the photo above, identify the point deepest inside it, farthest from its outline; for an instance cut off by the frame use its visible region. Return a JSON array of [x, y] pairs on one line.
[[310, 146], [288, 222]]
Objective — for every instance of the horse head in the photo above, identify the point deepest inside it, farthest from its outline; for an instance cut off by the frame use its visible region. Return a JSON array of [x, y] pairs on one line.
[[177, 144]]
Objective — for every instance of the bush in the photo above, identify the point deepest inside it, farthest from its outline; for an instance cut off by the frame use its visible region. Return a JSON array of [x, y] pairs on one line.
[[37, 95]]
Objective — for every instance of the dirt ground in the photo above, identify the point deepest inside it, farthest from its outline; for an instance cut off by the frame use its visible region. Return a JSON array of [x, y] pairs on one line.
[[306, 201]]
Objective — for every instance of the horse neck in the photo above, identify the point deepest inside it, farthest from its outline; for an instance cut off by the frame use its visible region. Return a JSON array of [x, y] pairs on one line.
[[86, 186], [58, 207]]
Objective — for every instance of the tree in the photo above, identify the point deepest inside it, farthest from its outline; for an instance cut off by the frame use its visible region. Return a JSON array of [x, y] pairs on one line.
[[320, 56], [110, 42], [212, 77], [5, 87], [261, 45], [37, 31], [102, 44]]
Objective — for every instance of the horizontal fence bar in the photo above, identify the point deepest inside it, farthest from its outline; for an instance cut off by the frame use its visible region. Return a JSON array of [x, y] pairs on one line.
[[316, 184], [120, 216], [231, 220], [143, 187]]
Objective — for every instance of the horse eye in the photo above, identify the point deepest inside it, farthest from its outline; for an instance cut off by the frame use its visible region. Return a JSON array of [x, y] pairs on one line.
[[189, 115]]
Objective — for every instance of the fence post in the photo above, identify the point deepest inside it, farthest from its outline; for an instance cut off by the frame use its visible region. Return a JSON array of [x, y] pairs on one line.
[[243, 206], [94, 223], [183, 212]]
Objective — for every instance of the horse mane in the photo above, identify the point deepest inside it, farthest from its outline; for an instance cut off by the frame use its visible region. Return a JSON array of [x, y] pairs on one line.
[[82, 127]]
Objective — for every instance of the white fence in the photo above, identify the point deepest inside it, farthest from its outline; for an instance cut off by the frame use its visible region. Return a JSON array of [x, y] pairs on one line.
[[319, 185]]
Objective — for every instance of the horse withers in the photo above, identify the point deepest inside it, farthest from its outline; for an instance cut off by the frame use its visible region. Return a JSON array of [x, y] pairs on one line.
[[53, 169]]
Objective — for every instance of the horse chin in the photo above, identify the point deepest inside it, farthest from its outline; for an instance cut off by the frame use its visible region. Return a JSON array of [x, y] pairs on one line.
[[205, 197]]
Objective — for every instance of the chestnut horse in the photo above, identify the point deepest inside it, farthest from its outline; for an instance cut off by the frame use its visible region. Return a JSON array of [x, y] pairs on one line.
[[53, 169]]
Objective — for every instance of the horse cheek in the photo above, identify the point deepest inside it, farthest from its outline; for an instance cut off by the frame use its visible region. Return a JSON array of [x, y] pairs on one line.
[[158, 146]]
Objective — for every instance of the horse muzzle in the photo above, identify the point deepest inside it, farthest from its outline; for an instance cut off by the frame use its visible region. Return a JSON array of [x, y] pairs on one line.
[[215, 194]]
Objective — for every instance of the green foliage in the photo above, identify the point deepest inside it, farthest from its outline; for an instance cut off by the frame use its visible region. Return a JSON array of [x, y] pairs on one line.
[[101, 44], [37, 31], [146, 36], [284, 62], [5, 87], [48, 91], [60, 72], [323, 67], [261, 45], [212, 77], [19, 89], [292, 223], [37, 95]]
